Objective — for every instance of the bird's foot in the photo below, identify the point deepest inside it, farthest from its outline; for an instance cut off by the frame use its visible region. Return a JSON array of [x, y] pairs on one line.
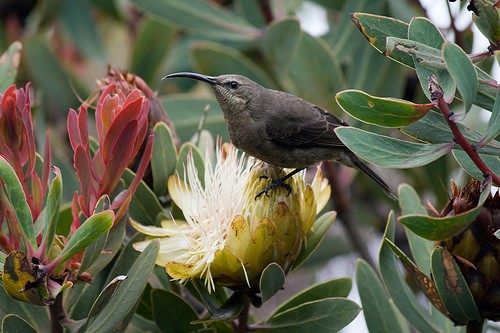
[[275, 184]]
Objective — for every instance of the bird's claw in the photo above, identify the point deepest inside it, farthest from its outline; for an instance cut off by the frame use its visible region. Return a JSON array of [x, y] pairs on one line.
[[273, 185]]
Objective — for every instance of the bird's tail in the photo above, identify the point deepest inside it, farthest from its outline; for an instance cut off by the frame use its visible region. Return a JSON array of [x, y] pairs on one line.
[[366, 169]]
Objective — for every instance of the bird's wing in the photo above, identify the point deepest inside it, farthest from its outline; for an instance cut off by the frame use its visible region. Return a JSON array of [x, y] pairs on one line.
[[313, 127]]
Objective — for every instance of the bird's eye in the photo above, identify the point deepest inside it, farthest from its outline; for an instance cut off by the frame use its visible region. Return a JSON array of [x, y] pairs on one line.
[[234, 85]]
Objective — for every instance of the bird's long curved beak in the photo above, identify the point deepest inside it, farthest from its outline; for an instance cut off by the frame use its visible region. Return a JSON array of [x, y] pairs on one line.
[[195, 76]]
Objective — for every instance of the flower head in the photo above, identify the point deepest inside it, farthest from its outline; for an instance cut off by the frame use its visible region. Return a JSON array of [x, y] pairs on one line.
[[229, 237]]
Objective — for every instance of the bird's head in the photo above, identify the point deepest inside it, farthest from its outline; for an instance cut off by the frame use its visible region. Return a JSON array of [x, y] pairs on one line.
[[231, 90]]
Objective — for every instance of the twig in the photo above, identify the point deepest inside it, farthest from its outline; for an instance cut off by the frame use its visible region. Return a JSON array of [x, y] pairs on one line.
[[56, 314], [437, 98], [342, 207], [243, 317]]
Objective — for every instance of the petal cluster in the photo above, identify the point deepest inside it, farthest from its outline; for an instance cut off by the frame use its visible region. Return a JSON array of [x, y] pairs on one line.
[[228, 236]]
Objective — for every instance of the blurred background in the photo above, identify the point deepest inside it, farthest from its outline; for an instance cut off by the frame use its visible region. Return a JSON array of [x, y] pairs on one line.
[[69, 45]]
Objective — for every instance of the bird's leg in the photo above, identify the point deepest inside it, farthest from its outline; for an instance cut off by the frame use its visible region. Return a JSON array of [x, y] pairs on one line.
[[280, 182]]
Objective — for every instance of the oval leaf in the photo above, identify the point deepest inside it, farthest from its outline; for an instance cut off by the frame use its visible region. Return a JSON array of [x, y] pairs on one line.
[[493, 163], [9, 62], [15, 324], [214, 58], [334, 313], [487, 20], [88, 232], [185, 111], [315, 236], [116, 312], [432, 128], [404, 298], [314, 80], [493, 128], [53, 206], [421, 248], [188, 150], [144, 206], [379, 313], [271, 281], [14, 191], [333, 288], [462, 71], [163, 159], [377, 28], [453, 288], [172, 313], [201, 17], [441, 228], [389, 152], [380, 111]]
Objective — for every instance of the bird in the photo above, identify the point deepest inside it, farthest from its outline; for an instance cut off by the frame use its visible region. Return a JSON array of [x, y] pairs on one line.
[[279, 128]]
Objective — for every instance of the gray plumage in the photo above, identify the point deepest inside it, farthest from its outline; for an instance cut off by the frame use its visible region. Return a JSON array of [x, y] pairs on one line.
[[279, 128]]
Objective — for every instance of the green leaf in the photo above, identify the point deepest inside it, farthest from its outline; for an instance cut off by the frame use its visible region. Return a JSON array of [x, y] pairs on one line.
[[333, 288], [144, 206], [423, 280], [139, 324], [453, 288], [77, 20], [493, 128], [423, 31], [127, 257], [103, 299], [185, 111], [231, 308], [377, 28], [308, 68], [188, 149], [12, 323], [421, 248], [379, 313], [403, 297], [53, 205], [163, 159], [271, 281], [151, 45], [48, 74], [88, 232], [214, 58], [37, 316], [315, 236], [96, 256], [389, 112], [128, 293], [389, 152], [493, 163], [343, 36], [334, 313], [13, 188], [200, 17], [9, 63], [462, 71], [432, 128], [172, 313], [441, 228], [488, 20]]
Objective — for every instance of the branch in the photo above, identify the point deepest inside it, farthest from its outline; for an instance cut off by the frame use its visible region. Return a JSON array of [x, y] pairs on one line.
[[342, 207], [437, 98]]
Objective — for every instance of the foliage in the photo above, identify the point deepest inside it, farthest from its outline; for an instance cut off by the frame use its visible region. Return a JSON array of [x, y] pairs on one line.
[[127, 146]]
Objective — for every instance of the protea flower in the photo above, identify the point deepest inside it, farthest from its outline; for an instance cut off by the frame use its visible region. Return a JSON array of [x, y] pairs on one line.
[[229, 236], [477, 249]]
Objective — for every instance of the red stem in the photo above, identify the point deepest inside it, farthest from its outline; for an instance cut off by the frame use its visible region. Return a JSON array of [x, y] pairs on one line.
[[438, 99]]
